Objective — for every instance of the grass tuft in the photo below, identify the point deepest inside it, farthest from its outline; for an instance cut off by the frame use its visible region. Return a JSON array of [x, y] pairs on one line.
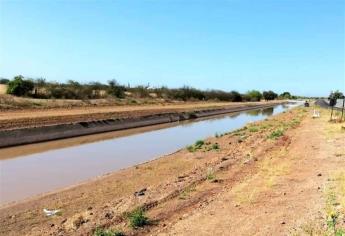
[[276, 134], [210, 175], [107, 232]]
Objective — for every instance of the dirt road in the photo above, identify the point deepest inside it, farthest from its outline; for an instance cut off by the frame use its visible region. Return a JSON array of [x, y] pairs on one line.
[[281, 176]]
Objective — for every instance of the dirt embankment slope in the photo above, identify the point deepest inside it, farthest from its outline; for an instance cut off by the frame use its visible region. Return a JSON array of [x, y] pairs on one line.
[[13, 119], [281, 176]]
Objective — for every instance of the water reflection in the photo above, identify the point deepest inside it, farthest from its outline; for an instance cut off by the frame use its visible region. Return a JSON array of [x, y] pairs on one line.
[[22, 177], [269, 111]]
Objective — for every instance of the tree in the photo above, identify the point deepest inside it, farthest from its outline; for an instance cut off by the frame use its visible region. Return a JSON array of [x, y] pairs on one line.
[[333, 99], [19, 86], [337, 95], [4, 81], [116, 89], [285, 95], [235, 96], [269, 95], [253, 96]]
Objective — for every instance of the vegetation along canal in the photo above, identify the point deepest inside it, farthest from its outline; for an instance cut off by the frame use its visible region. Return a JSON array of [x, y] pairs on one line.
[[29, 174]]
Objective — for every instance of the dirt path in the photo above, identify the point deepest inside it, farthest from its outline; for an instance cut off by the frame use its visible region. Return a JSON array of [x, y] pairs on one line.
[[284, 196], [37, 117], [281, 176]]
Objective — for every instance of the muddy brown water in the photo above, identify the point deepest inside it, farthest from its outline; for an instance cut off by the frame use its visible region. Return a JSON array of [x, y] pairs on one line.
[[29, 170]]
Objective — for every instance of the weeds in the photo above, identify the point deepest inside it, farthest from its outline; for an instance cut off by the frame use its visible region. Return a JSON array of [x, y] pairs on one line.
[[137, 218], [210, 175], [198, 145], [107, 232], [186, 192], [335, 200], [215, 146], [253, 129], [276, 134]]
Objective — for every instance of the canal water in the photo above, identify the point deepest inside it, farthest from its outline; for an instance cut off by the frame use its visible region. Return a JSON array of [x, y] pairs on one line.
[[34, 169]]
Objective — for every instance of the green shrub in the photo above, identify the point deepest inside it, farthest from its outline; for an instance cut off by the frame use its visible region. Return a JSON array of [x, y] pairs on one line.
[[137, 218], [199, 143], [20, 87], [190, 148]]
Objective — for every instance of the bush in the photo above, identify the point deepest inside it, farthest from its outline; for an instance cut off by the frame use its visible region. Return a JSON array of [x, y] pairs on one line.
[[137, 218], [20, 87]]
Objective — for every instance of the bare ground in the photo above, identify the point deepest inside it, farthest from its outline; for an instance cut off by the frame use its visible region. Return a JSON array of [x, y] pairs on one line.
[[260, 182]]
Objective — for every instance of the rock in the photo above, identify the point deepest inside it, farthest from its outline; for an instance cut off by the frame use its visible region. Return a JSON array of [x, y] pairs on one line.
[[108, 215], [319, 174], [141, 192], [224, 159], [89, 208], [79, 222], [283, 223], [63, 221], [52, 225]]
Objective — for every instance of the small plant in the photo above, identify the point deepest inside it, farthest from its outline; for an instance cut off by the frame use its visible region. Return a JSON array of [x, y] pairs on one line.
[[198, 145], [107, 232], [137, 218], [332, 224], [276, 134], [215, 146], [186, 192], [210, 174], [253, 129], [190, 148]]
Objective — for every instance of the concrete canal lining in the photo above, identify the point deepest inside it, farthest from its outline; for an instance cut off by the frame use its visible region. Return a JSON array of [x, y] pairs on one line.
[[52, 132]]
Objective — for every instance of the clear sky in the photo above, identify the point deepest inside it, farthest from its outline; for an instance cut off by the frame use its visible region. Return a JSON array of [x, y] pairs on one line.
[[294, 45]]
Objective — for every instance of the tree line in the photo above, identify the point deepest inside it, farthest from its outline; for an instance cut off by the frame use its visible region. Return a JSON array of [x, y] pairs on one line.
[[41, 88]]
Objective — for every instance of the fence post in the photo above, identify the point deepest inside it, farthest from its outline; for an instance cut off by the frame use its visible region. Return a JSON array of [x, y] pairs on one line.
[[342, 110]]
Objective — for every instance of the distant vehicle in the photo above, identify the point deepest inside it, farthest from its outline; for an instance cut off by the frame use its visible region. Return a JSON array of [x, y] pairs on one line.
[[306, 104]]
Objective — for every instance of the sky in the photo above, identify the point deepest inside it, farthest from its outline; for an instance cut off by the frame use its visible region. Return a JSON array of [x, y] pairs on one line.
[[279, 45]]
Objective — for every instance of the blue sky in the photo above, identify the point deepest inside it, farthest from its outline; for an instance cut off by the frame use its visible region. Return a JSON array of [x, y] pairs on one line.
[[294, 45]]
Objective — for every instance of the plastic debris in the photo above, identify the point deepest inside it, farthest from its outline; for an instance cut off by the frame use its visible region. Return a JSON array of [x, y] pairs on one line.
[[50, 212], [316, 114]]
